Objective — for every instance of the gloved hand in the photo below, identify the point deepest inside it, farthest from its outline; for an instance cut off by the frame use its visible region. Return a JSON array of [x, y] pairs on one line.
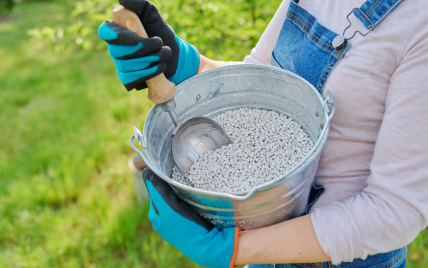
[[139, 59], [183, 228]]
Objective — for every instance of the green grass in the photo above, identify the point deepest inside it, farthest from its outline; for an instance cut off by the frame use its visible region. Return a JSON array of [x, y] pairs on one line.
[[66, 194]]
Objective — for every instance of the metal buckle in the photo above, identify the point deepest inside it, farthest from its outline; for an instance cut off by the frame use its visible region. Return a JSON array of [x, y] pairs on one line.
[[350, 23]]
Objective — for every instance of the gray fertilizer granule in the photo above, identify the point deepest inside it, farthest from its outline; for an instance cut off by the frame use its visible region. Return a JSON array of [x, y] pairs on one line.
[[266, 145]]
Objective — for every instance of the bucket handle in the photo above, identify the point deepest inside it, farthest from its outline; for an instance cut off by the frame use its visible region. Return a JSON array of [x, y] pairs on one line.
[[141, 141], [141, 138], [329, 105]]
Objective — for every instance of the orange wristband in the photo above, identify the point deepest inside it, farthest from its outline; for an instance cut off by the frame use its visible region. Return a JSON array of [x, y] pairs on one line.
[[199, 67], [235, 248]]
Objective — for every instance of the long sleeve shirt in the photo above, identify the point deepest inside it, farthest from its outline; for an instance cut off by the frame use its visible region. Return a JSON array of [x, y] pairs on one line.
[[374, 165]]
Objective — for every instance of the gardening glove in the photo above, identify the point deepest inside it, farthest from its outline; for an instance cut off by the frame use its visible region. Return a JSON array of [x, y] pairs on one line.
[[183, 228], [139, 59]]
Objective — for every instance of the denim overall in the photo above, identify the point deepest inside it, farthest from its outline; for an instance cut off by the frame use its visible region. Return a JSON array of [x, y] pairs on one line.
[[310, 50]]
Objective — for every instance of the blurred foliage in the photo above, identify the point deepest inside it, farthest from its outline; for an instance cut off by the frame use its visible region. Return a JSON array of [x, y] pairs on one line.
[[220, 29], [81, 30], [6, 6], [66, 194]]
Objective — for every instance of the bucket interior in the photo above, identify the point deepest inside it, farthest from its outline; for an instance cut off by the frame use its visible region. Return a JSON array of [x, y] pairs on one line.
[[234, 87]]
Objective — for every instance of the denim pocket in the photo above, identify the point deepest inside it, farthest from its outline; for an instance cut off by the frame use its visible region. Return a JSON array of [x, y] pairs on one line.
[[274, 62]]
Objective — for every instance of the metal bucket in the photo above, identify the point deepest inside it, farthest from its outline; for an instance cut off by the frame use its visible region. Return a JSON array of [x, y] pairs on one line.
[[233, 87]]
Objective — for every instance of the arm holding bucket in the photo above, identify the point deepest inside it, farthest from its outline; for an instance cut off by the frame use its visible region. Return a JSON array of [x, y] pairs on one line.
[[292, 241], [206, 64]]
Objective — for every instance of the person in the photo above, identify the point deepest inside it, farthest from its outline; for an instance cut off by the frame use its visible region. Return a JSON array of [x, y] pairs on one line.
[[373, 173]]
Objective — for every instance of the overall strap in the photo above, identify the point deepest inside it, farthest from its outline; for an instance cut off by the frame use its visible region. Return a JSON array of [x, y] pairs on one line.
[[373, 12]]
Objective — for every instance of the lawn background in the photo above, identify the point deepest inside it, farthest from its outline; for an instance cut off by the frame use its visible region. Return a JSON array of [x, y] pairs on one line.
[[66, 194]]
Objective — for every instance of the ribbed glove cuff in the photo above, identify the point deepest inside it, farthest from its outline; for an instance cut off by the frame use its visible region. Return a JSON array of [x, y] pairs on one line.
[[188, 62]]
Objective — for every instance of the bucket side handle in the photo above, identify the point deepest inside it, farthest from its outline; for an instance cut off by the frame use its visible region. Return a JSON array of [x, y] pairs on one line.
[[142, 140], [140, 137], [329, 105], [143, 155]]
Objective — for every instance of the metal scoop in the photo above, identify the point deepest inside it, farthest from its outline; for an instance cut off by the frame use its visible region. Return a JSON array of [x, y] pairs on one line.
[[192, 137]]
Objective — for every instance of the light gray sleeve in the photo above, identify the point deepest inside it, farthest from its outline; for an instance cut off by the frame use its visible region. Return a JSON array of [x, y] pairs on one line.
[[390, 212], [261, 53]]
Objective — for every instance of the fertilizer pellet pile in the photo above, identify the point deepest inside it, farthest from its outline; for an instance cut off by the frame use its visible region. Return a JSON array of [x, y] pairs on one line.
[[265, 146]]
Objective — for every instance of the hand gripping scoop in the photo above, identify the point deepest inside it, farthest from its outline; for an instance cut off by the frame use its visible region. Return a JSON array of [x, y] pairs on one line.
[[192, 137]]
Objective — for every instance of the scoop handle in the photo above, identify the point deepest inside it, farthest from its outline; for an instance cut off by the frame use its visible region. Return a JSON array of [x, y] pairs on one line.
[[160, 89]]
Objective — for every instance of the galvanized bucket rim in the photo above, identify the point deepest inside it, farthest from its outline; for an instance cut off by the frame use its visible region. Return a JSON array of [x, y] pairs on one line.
[[328, 110]]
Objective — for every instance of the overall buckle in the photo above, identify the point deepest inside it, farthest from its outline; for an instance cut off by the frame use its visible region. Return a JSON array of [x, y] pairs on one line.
[[340, 40]]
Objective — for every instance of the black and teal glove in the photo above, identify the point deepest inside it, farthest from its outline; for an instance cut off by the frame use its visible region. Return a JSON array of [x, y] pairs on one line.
[[139, 59], [183, 228]]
